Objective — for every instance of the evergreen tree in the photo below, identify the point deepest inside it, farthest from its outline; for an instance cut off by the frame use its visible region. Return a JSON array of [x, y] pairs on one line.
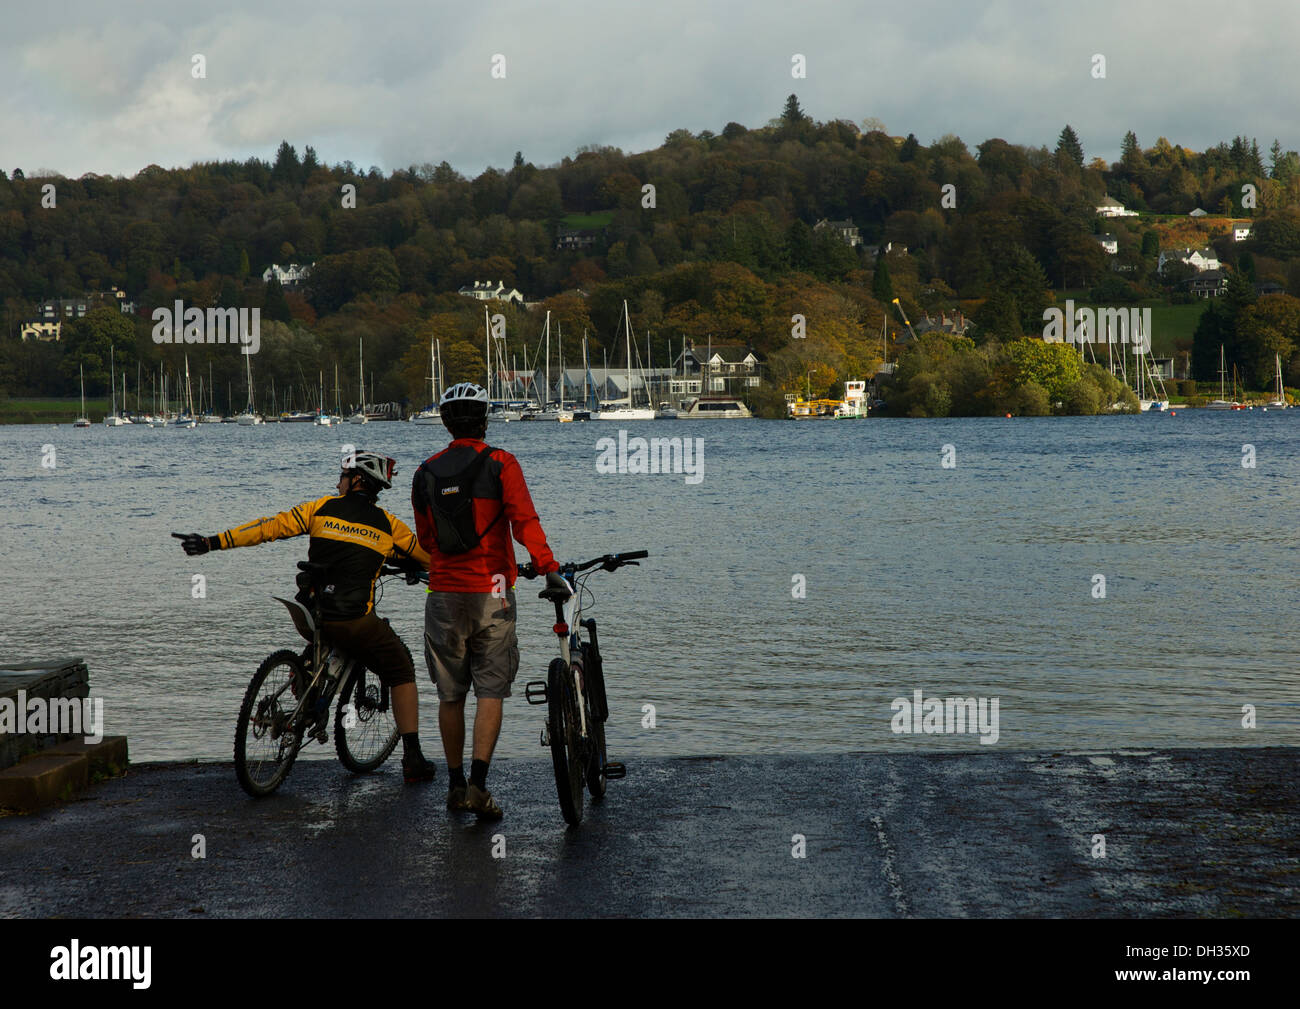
[[287, 168], [793, 115], [309, 163], [244, 268], [909, 149], [18, 175], [882, 289], [276, 307], [1131, 158], [1068, 146], [1023, 279], [799, 245]]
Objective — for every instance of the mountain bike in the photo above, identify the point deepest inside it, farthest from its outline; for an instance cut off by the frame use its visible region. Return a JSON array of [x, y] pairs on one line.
[[574, 690], [288, 699]]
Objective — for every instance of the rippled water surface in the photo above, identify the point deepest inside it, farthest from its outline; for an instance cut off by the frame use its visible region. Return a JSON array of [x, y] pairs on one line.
[[974, 581]]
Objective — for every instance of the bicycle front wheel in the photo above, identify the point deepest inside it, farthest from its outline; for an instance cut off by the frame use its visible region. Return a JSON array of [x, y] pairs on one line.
[[266, 739], [566, 743], [365, 733], [595, 770]]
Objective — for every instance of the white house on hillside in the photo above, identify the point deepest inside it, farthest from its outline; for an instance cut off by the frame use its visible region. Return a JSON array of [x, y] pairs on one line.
[[846, 230], [1201, 259], [1111, 207], [1109, 243], [289, 276], [485, 290], [1240, 232]]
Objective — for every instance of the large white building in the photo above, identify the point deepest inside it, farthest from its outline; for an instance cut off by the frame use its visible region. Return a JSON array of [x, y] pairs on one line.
[[288, 276], [485, 290], [1111, 207], [1199, 259]]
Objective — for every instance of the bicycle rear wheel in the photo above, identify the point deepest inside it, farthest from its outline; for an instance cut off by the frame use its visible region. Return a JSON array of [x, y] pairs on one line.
[[372, 735], [266, 740], [566, 744]]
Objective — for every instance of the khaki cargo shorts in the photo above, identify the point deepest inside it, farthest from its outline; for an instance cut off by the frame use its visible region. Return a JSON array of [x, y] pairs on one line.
[[469, 637]]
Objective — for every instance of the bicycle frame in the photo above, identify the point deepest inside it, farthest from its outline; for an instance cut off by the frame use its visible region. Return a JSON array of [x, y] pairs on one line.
[[568, 623]]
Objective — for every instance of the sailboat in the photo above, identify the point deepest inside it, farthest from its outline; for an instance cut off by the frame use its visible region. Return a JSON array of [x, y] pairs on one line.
[[666, 410], [360, 416], [322, 419], [1237, 404], [431, 415], [621, 411], [1221, 403], [1278, 402], [249, 417], [1147, 404], [115, 419], [499, 408], [549, 411], [82, 421], [160, 415], [210, 415], [188, 420]]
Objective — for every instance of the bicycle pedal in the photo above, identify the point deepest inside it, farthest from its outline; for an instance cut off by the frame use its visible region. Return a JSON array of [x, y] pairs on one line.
[[613, 771], [321, 736], [535, 692]]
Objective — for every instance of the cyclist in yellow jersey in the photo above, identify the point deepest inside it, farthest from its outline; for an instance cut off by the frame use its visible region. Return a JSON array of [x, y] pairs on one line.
[[353, 537]]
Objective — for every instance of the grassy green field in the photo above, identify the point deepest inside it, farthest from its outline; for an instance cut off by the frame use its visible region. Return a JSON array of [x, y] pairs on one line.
[[588, 222], [1169, 323], [51, 411]]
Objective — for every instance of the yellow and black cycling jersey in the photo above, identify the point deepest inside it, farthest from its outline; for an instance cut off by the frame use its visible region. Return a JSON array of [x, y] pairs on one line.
[[351, 534]]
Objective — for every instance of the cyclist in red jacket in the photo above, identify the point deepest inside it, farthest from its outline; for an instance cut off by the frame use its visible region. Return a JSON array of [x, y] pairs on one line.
[[469, 500]]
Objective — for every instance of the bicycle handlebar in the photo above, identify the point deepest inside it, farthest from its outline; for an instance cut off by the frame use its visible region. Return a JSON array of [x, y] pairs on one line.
[[609, 562]]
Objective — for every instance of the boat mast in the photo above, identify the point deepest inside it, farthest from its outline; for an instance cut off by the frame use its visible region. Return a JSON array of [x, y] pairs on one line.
[[487, 349], [628, 333]]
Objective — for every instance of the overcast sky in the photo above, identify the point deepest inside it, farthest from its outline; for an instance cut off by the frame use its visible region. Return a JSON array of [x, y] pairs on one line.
[[89, 86]]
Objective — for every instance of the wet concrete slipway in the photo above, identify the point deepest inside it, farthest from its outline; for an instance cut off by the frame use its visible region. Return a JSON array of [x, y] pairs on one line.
[[1188, 833]]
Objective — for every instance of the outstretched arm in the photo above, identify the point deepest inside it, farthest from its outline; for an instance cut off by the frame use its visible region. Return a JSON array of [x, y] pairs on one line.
[[294, 522]]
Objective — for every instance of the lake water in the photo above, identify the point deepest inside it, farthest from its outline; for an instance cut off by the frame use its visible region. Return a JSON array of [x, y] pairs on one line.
[[975, 580]]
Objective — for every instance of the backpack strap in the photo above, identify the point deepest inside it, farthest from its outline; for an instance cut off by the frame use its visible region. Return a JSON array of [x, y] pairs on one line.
[[470, 476]]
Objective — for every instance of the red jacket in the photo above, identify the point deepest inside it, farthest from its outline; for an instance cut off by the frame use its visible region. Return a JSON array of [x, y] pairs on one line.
[[500, 494]]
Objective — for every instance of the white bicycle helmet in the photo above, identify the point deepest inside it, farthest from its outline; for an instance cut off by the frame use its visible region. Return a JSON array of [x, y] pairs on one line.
[[379, 468], [464, 401]]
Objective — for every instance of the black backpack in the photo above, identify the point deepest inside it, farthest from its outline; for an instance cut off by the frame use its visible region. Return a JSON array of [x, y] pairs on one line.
[[452, 503]]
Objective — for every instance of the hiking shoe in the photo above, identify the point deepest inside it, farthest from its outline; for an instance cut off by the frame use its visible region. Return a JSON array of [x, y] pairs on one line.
[[479, 801], [456, 799], [418, 770]]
